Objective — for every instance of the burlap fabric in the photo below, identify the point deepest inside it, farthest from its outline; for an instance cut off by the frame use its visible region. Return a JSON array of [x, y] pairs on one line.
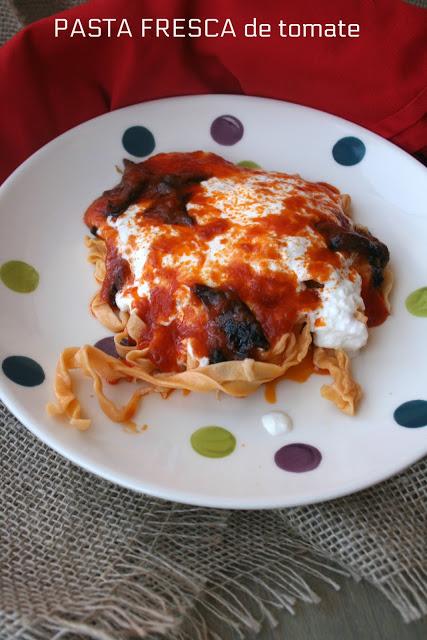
[[82, 558]]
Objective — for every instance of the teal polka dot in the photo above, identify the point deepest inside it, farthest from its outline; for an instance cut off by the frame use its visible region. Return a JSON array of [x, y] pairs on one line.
[[348, 151], [138, 141], [412, 414], [23, 371]]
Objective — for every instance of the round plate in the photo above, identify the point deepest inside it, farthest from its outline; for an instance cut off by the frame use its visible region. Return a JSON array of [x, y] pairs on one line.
[[41, 224]]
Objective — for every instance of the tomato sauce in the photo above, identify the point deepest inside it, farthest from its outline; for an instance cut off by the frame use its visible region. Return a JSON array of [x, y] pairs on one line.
[[299, 373], [163, 186], [375, 305]]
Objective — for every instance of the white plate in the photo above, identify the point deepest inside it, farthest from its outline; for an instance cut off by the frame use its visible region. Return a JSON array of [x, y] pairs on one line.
[[41, 223]]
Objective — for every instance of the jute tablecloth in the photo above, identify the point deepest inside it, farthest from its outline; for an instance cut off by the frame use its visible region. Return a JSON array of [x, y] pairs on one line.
[[82, 558]]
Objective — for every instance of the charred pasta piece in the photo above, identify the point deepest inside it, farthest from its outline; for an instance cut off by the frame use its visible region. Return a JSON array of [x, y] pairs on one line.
[[242, 332], [117, 273], [359, 241], [168, 193]]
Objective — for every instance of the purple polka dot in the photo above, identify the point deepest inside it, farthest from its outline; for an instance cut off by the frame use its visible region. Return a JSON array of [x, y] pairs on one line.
[[227, 130], [107, 346], [298, 457]]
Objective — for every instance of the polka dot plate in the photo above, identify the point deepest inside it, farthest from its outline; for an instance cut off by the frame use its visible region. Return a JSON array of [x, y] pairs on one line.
[[197, 448]]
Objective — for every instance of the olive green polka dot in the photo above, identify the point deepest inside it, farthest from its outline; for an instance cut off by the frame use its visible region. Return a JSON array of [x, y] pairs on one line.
[[19, 276], [416, 302], [248, 164], [213, 442]]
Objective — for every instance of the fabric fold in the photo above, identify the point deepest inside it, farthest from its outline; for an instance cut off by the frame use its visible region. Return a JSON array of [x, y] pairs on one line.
[[57, 83]]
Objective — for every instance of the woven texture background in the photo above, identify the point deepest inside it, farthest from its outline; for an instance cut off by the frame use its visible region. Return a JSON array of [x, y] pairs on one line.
[[82, 558], [82, 555]]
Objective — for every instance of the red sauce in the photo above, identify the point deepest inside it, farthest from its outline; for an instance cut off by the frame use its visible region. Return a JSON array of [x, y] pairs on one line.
[[375, 306], [295, 203], [212, 229], [270, 391], [162, 303], [322, 261], [286, 225], [117, 272], [273, 296], [299, 373], [304, 369], [162, 347]]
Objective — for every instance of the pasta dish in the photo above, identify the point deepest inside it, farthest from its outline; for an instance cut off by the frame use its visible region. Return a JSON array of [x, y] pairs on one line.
[[216, 277]]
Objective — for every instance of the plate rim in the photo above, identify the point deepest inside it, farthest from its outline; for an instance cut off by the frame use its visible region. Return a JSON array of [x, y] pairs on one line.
[[191, 97]]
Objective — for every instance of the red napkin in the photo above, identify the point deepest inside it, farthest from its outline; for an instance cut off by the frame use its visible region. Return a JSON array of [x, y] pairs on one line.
[[48, 85]]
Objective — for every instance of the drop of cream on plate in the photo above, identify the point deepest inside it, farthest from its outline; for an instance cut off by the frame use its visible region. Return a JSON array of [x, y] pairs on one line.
[[276, 422]]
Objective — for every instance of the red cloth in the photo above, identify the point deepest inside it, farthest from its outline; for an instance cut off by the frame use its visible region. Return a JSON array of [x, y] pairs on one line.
[[48, 85]]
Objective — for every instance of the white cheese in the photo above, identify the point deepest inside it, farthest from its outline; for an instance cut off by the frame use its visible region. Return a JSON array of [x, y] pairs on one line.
[[276, 422], [339, 328], [123, 301], [293, 250], [197, 362], [127, 227]]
